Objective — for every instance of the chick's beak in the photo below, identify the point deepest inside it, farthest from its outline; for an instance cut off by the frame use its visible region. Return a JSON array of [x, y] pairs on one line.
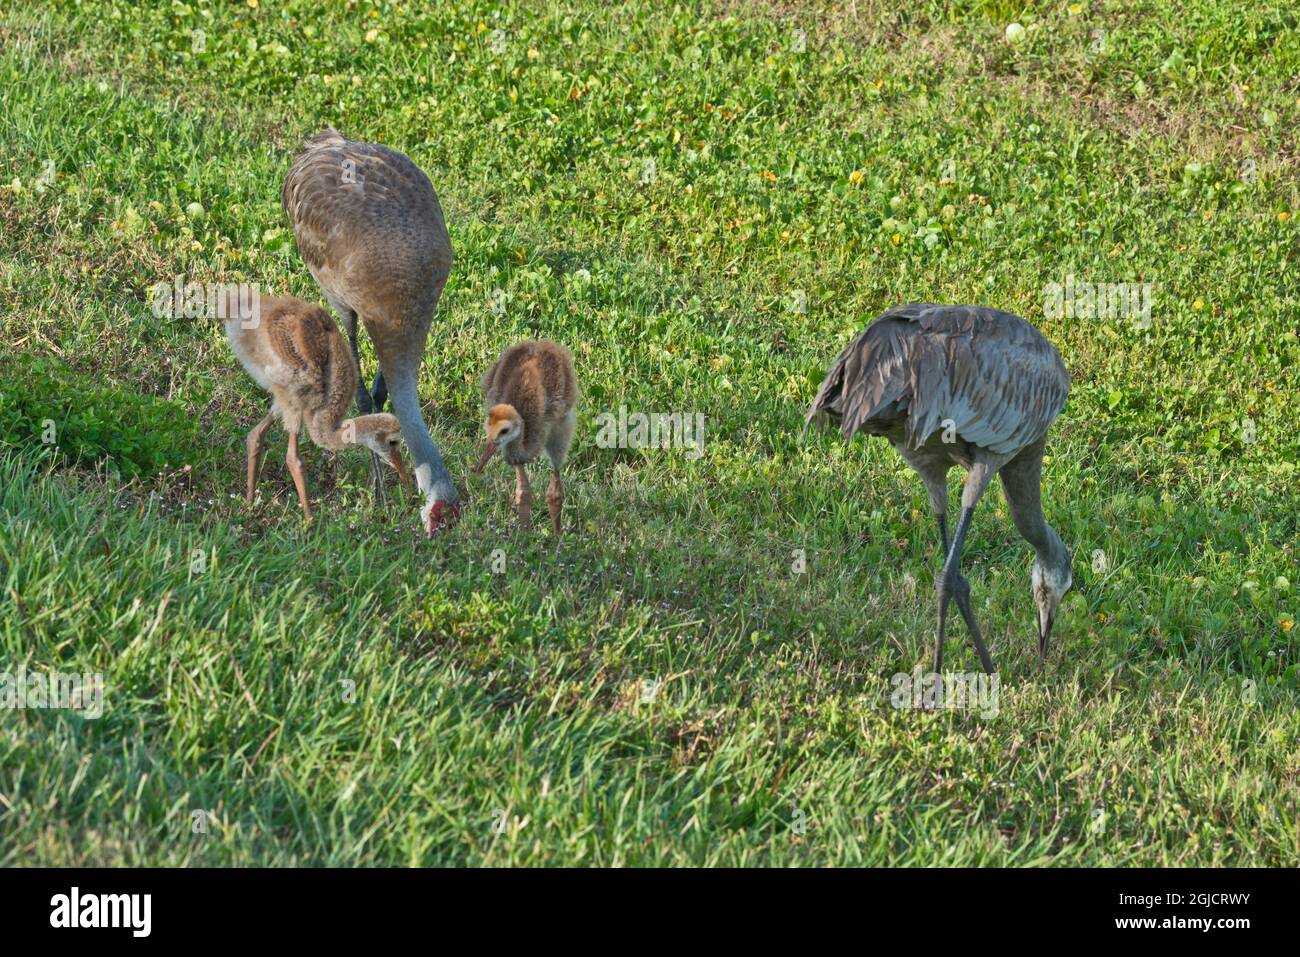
[[488, 449], [395, 457]]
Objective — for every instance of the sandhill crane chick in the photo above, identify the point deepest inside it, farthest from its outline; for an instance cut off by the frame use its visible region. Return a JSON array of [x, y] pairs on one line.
[[531, 397], [968, 386], [293, 350]]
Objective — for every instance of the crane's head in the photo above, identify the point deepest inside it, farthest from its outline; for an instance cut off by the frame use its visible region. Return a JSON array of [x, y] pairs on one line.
[[504, 425], [381, 433], [437, 516], [1051, 582]]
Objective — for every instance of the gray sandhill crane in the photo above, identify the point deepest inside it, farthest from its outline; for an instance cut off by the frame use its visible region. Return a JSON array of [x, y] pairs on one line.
[[531, 397], [968, 386], [294, 351], [370, 229]]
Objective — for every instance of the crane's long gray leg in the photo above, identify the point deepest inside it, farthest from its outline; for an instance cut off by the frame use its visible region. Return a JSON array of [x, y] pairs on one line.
[[936, 486], [950, 583], [962, 594], [365, 402]]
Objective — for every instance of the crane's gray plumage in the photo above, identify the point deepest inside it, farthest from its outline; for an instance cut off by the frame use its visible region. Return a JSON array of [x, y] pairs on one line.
[[368, 224], [968, 386], [989, 373]]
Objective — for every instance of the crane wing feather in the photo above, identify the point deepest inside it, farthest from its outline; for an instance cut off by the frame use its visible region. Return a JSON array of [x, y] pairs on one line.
[[988, 375], [358, 207]]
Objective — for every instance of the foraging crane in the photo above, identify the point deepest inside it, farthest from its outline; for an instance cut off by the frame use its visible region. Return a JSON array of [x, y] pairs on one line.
[[531, 396], [294, 351], [968, 386], [370, 229]]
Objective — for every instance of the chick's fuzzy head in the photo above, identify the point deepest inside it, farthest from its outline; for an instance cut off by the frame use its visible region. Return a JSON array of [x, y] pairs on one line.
[[504, 424]]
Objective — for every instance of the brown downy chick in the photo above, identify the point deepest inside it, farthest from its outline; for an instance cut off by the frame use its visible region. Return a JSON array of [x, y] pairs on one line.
[[294, 351], [531, 397]]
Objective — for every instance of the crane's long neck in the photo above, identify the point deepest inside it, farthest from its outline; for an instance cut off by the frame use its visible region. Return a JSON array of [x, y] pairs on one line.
[[1051, 551], [430, 472], [1022, 484]]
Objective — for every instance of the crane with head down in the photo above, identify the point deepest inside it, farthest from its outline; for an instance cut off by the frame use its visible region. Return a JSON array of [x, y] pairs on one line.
[[969, 386], [370, 229]]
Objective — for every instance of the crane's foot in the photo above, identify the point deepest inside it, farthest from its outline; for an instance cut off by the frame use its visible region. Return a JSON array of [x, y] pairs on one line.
[[943, 595], [962, 595]]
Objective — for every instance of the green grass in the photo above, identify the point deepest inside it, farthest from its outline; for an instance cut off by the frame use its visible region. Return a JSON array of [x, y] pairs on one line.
[[349, 693]]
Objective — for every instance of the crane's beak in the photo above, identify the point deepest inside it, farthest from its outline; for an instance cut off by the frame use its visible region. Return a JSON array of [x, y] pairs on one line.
[[1046, 619], [488, 450], [395, 457]]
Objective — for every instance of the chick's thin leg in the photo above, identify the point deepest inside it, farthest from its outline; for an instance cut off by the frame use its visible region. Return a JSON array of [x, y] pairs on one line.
[[295, 469], [555, 501], [523, 498], [256, 443]]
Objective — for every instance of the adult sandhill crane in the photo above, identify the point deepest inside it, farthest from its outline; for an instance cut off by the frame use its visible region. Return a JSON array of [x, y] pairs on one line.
[[968, 386], [531, 397], [370, 229], [294, 351]]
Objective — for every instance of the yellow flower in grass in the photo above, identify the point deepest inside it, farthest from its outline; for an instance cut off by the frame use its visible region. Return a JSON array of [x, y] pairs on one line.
[[1283, 216]]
